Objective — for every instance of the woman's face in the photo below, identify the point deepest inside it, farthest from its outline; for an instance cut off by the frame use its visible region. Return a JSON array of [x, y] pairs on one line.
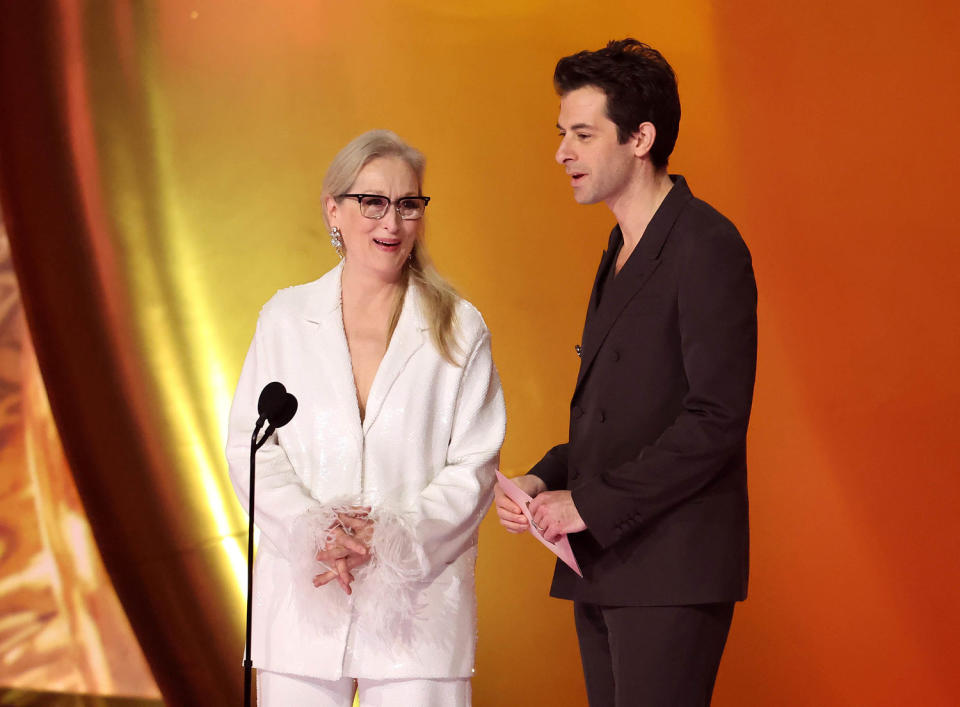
[[378, 245]]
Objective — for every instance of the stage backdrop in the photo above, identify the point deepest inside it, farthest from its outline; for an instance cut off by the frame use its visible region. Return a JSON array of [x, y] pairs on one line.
[[160, 166]]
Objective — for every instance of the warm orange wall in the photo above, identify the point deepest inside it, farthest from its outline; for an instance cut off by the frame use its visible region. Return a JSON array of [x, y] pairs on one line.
[[826, 133], [825, 130], [845, 128]]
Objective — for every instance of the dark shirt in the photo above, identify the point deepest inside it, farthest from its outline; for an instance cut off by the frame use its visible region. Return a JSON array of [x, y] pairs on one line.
[[609, 276]]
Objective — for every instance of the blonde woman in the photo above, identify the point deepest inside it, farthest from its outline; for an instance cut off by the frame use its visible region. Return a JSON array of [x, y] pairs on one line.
[[369, 501]]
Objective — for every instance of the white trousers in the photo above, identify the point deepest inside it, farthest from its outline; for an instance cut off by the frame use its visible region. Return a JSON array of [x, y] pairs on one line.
[[282, 690]]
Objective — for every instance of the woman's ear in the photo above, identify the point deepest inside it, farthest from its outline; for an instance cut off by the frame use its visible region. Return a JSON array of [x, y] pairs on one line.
[[330, 207]]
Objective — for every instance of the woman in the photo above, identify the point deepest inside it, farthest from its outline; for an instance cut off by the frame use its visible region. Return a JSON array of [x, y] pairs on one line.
[[368, 502]]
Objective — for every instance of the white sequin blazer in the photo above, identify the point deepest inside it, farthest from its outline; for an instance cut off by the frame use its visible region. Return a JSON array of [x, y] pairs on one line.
[[423, 459]]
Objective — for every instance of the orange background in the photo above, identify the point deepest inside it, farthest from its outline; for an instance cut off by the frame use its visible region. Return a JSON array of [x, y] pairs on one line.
[[824, 130]]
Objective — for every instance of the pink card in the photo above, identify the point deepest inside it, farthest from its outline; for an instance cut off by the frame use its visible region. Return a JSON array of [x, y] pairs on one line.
[[561, 548]]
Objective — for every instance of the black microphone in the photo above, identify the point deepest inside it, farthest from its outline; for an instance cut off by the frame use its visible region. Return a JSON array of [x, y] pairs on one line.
[[271, 400], [276, 406], [285, 413]]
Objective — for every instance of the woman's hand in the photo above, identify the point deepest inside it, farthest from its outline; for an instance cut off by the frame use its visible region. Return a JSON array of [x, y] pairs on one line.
[[510, 514], [347, 547], [358, 524], [341, 572]]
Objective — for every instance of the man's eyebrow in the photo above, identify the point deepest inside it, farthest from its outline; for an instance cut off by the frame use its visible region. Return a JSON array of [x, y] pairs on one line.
[[576, 126]]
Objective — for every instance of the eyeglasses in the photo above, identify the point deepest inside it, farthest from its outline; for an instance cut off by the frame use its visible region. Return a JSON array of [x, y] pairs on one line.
[[409, 208]]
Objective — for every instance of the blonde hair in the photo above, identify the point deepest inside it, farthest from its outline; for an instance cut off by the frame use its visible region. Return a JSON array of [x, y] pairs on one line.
[[439, 297]]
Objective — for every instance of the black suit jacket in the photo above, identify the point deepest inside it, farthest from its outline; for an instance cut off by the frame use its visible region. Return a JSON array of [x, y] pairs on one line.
[[656, 458]]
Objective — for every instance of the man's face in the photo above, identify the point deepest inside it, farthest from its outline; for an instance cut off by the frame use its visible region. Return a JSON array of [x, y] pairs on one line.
[[599, 167]]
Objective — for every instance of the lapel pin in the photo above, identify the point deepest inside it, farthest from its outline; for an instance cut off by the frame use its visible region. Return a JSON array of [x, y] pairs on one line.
[[579, 350]]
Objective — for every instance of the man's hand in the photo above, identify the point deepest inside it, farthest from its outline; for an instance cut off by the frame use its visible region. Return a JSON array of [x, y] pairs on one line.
[[555, 514], [511, 517]]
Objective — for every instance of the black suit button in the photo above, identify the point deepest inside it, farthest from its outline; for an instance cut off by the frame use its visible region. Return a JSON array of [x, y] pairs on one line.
[[576, 412], [603, 416], [616, 355]]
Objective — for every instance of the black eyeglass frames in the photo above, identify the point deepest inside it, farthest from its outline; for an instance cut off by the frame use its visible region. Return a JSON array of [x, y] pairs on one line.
[[375, 206]]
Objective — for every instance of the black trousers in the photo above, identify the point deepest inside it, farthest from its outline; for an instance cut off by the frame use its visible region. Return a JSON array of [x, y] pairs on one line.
[[651, 656]]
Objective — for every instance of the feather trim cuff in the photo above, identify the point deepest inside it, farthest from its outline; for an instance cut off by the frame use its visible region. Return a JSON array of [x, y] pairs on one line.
[[387, 602]]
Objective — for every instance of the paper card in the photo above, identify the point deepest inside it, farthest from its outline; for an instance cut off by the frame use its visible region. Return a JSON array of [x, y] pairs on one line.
[[561, 548]]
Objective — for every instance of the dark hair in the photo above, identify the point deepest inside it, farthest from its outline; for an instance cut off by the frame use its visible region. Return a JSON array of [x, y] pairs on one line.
[[640, 87]]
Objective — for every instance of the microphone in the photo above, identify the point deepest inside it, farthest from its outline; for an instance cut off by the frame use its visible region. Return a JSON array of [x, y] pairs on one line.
[[275, 406], [271, 399]]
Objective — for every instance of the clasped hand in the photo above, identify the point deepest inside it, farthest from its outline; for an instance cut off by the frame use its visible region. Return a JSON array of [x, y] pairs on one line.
[[553, 511], [347, 547], [555, 514]]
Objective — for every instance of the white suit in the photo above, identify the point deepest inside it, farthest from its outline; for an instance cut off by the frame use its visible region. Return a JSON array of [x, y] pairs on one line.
[[423, 460]]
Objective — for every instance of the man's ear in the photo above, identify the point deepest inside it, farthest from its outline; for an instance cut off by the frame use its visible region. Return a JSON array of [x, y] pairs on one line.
[[643, 139]]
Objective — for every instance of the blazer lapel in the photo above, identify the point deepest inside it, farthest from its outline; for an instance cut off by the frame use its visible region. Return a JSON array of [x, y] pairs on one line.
[[329, 342], [407, 339], [641, 264], [606, 262], [633, 276], [605, 259]]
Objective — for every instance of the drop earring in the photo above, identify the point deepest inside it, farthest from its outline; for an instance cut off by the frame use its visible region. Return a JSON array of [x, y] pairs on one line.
[[336, 240]]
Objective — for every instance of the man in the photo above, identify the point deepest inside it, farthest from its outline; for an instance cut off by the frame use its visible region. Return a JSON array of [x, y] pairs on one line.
[[652, 484]]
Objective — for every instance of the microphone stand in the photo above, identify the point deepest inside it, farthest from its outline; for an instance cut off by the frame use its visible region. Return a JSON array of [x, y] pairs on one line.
[[247, 660]]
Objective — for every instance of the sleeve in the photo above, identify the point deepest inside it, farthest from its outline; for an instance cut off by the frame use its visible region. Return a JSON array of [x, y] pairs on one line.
[[282, 501], [717, 304], [417, 542], [552, 469]]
